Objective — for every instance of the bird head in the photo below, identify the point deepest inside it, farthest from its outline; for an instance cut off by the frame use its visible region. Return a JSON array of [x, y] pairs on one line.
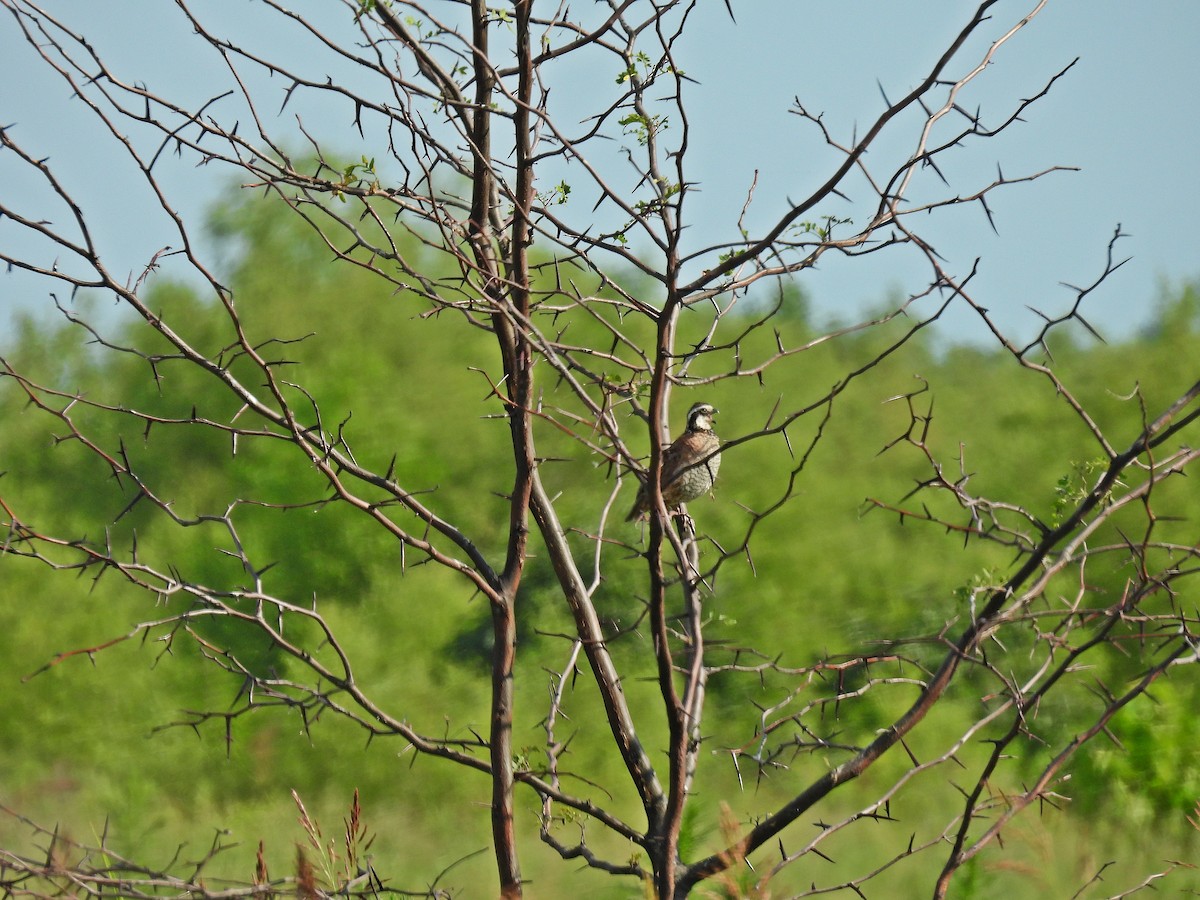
[[700, 417]]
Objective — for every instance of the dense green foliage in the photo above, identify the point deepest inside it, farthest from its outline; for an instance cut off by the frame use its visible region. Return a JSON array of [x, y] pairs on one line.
[[83, 742]]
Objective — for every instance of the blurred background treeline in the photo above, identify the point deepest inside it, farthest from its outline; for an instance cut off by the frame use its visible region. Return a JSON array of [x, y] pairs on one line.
[[85, 744]]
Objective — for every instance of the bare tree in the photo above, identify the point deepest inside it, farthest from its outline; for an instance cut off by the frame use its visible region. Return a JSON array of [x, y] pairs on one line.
[[544, 213]]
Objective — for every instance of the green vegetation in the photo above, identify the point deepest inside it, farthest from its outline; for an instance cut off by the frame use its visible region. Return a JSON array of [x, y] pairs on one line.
[[83, 740]]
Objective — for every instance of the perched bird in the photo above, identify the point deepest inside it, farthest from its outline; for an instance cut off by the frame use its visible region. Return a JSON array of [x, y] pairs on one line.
[[689, 465]]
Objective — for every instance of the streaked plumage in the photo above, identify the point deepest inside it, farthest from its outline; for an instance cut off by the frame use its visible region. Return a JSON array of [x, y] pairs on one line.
[[689, 465]]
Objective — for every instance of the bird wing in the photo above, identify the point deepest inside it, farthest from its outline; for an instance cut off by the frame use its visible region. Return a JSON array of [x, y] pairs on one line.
[[678, 456]]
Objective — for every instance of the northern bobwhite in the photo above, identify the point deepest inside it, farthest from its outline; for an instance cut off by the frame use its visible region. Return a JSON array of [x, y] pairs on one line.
[[689, 465]]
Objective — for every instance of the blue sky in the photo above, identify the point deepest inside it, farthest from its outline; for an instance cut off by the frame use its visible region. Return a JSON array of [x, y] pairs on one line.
[[1125, 114]]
